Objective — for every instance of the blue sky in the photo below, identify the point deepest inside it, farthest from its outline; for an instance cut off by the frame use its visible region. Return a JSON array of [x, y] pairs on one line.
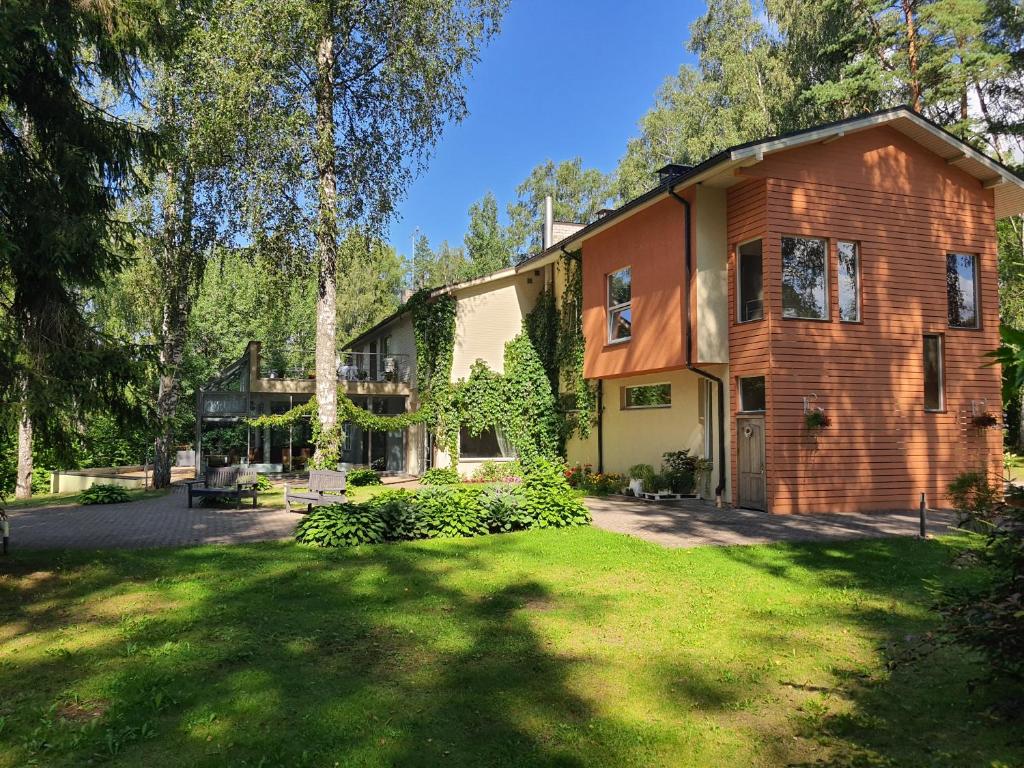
[[562, 79]]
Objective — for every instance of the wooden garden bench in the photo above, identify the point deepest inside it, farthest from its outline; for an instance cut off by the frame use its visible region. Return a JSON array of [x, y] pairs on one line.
[[324, 486], [233, 482]]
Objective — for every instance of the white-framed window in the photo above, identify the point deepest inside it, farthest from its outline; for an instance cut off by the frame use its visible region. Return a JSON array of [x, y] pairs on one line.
[[849, 281], [749, 282], [752, 394], [491, 443], [805, 278], [620, 305], [647, 396], [962, 290], [705, 401], [934, 374]]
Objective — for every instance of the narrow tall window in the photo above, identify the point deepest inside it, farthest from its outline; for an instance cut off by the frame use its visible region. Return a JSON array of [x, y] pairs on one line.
[[804, 278], [962, 290], [620, 312], [849, 282], [933, 375], [750, 298]]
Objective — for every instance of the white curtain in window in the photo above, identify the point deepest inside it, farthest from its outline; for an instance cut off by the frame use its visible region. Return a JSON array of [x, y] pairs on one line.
[[504, 445]]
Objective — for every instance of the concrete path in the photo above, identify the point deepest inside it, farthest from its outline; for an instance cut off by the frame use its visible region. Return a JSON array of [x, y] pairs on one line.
[[162, 521], [695, 523]]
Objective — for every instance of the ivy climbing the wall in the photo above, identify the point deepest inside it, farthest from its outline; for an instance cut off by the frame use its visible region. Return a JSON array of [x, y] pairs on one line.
[[433, 321], [519, 402], [347, 412], [578, 419]]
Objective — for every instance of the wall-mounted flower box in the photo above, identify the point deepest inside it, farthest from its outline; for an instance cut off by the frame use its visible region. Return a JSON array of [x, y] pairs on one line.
[[985, 420], [815, 418]]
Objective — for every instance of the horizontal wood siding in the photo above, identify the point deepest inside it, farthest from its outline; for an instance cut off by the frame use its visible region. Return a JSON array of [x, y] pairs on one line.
[[906, 209], [749, 349]]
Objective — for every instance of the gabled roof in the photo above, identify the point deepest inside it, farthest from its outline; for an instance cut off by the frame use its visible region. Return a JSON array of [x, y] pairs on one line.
[[1007, 185]]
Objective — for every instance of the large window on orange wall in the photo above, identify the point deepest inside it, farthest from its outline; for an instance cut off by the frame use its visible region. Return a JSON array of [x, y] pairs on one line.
[[804, 278], [620, 305]]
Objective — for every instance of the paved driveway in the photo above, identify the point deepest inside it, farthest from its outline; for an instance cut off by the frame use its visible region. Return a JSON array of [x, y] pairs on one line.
[[162, 521], [695, 523]]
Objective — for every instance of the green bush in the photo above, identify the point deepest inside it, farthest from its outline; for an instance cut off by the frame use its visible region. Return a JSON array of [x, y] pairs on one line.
[[505, 509], [263, 483], [679, 470], [449, 512], [360, 477], [440, 476], [341, 525], [975, 498], [398, 511], [547, 498], [41, 480], [104, 493], [498, 471]]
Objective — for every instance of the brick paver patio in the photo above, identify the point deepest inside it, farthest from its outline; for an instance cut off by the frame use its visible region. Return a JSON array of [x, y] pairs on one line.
[[696, 523], [162, 521]]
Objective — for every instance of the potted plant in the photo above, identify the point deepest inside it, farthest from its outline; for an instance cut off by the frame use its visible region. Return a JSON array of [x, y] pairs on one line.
[[815, 418], [984, 420], [640, 477], [679, 470]]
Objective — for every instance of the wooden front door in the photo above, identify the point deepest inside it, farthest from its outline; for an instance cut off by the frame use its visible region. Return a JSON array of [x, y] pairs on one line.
[[750, 457]]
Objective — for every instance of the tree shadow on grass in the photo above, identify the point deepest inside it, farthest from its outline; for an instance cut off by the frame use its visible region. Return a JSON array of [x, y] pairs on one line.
[[922, 708], [385, 656]]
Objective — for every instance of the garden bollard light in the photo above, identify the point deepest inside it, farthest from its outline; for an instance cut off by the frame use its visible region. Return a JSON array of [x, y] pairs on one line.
[[924, 518]]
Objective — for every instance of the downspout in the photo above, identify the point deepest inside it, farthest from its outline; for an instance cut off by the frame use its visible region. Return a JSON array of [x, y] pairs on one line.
[[688, 347], [600, 404]]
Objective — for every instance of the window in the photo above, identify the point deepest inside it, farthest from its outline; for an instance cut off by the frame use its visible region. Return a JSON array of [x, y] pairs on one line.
[[489, 444], [849, 282], [705, 400], [804, 278], [750, 303], [752, 393], [651, 396], [962, 290], [934, 399], [620, 314]]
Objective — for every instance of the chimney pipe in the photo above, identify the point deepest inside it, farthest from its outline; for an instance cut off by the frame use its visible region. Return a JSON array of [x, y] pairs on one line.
[[549, 221]]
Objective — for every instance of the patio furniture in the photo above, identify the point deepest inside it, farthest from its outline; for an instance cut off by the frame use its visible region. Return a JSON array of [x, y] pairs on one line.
[[324, 486], [232, 482]]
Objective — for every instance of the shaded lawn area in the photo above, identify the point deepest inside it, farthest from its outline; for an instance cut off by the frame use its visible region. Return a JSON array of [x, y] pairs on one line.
[[562, 648]]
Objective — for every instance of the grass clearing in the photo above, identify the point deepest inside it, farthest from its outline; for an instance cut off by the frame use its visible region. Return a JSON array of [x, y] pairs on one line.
[[49, 500], [565, 647]]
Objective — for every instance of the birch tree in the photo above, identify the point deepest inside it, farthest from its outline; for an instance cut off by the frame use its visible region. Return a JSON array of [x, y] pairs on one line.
[[353, 94]]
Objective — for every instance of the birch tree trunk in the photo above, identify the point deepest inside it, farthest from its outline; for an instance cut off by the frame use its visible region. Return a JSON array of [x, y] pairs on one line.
[[181, 271], [326, 248], [23, 480]]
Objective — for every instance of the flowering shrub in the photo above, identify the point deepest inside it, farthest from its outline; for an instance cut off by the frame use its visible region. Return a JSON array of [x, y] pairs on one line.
[[583, 478]]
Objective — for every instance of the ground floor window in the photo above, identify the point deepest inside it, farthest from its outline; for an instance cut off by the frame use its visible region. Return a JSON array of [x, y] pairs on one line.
[[752, 396], [933, 374], [649, 396], [491, 443]]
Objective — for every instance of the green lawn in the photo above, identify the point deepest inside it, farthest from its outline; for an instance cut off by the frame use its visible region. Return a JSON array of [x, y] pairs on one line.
[[555, 648]]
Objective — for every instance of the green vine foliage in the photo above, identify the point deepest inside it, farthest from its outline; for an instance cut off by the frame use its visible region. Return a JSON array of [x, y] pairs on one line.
[[433, 322], [541, 325], [569, 354], [520, 402]]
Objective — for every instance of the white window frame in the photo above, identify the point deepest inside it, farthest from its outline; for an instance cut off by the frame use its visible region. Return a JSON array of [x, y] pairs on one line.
[[739, 393], [857, 281], [612, 310], [739, 282], [942, 372], [827, 278], [625, 397]]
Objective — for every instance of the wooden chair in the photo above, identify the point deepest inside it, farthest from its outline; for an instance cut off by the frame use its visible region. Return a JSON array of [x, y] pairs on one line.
[[324, 486], [233, 482]]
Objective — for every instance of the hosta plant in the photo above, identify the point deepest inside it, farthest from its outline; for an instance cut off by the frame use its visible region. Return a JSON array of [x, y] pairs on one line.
[[341, 525], [104, 493]]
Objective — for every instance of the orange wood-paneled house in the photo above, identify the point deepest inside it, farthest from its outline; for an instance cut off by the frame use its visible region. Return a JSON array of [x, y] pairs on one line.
[[848, 269]]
